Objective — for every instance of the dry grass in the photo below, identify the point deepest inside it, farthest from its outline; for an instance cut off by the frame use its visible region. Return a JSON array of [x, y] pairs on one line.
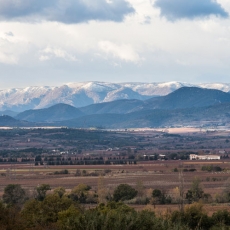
[[153, 175]]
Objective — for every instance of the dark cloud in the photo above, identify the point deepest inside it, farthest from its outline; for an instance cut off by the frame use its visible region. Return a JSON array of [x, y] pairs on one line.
[[190, 9], [66, 11]]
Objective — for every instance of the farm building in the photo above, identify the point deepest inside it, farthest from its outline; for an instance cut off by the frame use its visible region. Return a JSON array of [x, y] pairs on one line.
[[204, 157]]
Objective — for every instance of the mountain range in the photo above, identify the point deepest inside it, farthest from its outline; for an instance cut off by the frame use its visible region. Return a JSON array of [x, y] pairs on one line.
[[56, 112], [185, 106], [86, 93]]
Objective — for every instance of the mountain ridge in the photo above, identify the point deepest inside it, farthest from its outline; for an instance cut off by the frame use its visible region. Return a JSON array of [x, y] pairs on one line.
[[188, 97], [56, 112], [86, 93], [199, 117], [185, 97]]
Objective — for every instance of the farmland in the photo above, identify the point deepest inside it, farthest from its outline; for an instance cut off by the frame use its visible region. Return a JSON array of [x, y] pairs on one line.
[[133, 156], [49, 177], [155, 175]]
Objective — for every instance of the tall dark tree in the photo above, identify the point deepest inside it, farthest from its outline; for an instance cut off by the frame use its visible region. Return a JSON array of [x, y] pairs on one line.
[[41, 191], [195, 193], [124, 192], [14, 194]]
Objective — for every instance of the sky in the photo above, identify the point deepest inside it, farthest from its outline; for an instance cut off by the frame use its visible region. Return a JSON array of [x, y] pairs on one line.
[[59, 41]]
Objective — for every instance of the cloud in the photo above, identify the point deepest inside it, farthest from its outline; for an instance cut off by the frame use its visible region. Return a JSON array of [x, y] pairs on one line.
[[7, 56], [147, 20], [124, 52], [50, 53], [12, 48], [9, 34], [189, 9], [65, 11]]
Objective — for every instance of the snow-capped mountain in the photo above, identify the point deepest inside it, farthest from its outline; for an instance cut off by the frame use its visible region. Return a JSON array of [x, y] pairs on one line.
[[85, 93]]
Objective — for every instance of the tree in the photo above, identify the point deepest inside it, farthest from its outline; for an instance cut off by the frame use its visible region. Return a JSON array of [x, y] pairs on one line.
[[41, 191], [38, 158], [225, 196], [101, 190], [193, 216], [140, 188], [156, 193], [45, 213], [14, 194], [160, 197], [221, 217], [80, 193], [129, 150], [60, 191], [10, 218], [157, 196], [195, 193], [68, 219], [181, 192], [124, 192], [31, 212]]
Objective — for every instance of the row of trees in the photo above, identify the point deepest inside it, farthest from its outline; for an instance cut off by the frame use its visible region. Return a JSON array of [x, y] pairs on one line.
[[124, 192], [87, 162], [57, 211], [15, 194]]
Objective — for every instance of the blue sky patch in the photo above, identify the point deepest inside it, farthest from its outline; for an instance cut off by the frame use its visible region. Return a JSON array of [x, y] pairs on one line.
[[189, 9]]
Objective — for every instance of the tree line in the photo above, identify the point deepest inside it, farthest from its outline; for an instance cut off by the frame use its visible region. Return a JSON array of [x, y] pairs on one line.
[[58, 209]]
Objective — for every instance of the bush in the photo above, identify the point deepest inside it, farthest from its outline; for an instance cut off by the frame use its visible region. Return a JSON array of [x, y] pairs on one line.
[[138, 200], [195, 193], [193, 216], [124, 192], [65, 171], [107, 171], [41, 191], [160, 197], [211, 168], [78, 172], [192, 170], [221, 217], [80, 193]]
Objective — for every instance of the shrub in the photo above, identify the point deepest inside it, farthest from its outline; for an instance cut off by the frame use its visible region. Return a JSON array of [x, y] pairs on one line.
[[138, 200], [65, 171], [211, 168], [193, 216], [124, 192], [221, 217]]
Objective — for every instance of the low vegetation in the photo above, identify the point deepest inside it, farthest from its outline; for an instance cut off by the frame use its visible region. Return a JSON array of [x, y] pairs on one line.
[[58, 209]]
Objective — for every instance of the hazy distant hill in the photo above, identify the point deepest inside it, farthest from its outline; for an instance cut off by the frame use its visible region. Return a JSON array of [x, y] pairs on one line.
[[211, 115], [7, 121], [200, 116], [188, 97], [185, 106], [86, 93], [119, 107], [185, 97], [54, 113], [9, 113]]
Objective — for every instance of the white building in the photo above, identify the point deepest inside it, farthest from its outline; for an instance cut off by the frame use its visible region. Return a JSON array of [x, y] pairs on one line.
[[204, 157]]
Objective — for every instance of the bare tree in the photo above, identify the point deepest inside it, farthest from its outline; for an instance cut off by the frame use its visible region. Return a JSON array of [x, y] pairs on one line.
[[101, 190], [181, 191]]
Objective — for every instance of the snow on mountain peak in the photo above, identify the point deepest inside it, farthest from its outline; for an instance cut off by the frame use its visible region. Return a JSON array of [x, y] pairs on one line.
[[225, 87], [84, 93]]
